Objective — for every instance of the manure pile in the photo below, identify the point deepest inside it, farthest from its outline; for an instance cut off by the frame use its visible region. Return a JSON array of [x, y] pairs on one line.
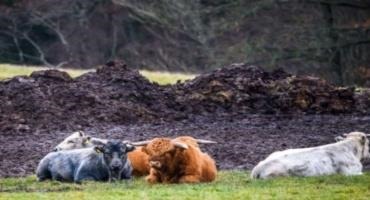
[[114, 94]]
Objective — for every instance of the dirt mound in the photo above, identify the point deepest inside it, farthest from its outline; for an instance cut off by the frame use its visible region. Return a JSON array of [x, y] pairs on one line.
[[53, 100], [248, 89], [115, 94]]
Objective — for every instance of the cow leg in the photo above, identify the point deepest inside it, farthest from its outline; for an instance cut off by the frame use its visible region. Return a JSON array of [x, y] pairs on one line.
[[153, 177], [84, 177], [83, 173], [189, 179], [351, 169], [43, 171], [44, 175], [127, 171], [349, 172]]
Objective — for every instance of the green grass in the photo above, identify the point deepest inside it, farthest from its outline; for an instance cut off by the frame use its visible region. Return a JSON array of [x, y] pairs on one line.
[[9, 71], [164, 78], [229, 185]]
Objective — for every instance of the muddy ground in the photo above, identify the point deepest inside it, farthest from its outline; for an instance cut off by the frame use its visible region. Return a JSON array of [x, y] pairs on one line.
[[250, 112], [243, 140]]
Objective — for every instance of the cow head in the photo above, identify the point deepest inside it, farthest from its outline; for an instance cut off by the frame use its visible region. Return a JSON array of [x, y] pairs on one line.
[[362, 140], [75, 141], [114, 156], [162, 151]]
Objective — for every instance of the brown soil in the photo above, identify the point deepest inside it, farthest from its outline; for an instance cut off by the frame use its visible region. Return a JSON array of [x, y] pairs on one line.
[[250, 112]]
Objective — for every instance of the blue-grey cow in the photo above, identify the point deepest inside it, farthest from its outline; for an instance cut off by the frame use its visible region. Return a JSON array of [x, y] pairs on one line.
[[105, 162]]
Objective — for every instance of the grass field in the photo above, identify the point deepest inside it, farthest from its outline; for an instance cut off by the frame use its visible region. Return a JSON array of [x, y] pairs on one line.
[[229, 185], [9, 71], [166, 77]]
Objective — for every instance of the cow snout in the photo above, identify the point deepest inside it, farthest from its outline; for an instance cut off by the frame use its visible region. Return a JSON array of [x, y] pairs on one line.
[[116, 166], [155, 164], [55, 149]]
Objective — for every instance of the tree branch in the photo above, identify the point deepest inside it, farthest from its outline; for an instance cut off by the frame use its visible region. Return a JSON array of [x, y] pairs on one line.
[[347, 3], [39, 50]]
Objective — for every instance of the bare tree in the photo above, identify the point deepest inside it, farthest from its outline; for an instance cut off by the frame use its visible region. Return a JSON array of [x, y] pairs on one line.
[[44, 14]]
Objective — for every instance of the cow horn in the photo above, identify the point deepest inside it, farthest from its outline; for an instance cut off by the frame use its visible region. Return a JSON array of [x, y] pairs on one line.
[[141, 143], [368, 135], [201, 141], [180, 145]]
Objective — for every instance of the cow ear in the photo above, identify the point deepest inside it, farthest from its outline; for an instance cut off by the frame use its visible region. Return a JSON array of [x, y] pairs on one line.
[[363, 140], [86, 140], [145, 150], [99, 149], [81, 133]]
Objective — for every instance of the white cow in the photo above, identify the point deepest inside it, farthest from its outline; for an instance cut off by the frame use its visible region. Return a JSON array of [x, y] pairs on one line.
[[78, 140], [342, 157]]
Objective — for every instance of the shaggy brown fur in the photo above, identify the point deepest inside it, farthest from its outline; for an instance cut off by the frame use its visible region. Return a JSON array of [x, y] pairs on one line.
[[139, 161], [172, 164]]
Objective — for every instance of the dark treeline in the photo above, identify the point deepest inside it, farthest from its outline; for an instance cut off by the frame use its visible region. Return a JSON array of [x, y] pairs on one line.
[[329, 38]]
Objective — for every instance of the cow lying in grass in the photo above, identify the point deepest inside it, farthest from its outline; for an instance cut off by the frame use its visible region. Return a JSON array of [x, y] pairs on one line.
[[78, 140], [178, 160], [138, 158], [104, 162], [342, 157]]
